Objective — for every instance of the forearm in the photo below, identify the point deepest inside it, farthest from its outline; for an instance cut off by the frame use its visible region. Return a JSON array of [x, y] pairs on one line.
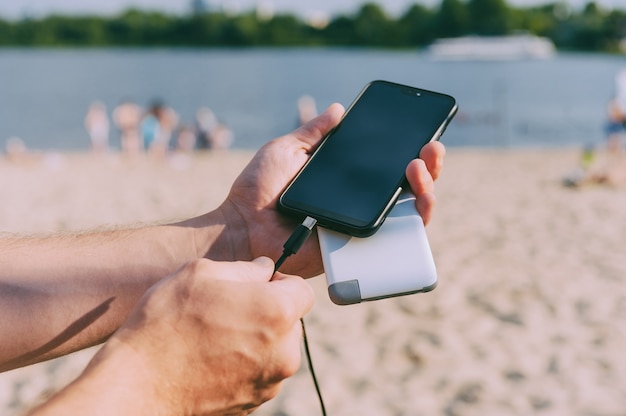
[[115, 382], [59, 294]]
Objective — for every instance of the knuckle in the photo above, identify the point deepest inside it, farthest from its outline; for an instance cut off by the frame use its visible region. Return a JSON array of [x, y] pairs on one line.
[[267, 392], [290, 366], [281, 316], [198, 267], [283, 367]]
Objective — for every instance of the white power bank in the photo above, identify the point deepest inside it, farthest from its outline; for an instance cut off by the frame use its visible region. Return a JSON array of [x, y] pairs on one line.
[[395, 261]]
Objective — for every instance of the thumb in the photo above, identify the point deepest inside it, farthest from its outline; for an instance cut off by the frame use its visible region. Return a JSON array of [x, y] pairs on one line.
[[312, 132], [264, 262], [263, 269], [295, 293], [258, 270]]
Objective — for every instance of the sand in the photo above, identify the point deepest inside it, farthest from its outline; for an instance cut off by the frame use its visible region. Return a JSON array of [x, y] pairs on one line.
[[529, 317]]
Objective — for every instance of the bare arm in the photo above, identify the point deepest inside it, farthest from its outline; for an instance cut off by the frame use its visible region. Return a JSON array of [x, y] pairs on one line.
[[64, 293], [59, 294]]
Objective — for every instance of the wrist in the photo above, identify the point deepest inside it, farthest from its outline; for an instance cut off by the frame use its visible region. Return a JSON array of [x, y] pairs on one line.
[[222, 235]]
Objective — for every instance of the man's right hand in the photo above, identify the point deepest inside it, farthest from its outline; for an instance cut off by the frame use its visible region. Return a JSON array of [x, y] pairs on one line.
[[214, 338]]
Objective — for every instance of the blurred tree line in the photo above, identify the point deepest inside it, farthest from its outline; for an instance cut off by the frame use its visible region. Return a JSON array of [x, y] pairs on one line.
[[591, 28]]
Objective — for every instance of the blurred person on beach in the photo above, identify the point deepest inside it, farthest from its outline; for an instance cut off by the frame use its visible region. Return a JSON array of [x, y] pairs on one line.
[[127, 117], [212, 133], [613, 164], [614, 127], [222, 137], [157, 128], [612, 167], [205, 123], [150, 126], [605, 165], [16, 151], [98, 126], [193, 317], [168, 122], [185, 140], [583, 172], [185, 144]]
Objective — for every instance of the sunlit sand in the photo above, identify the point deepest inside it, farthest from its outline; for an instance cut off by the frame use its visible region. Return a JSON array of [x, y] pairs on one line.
[[528, 317]]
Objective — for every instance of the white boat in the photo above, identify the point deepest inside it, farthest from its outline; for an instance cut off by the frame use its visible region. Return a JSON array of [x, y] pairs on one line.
[[490, 48]]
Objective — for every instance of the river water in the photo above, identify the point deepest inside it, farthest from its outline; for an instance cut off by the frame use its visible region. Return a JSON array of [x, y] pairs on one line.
[[558, 102]]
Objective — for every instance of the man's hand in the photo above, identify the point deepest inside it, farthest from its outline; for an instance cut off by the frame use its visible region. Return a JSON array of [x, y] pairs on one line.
[[216, 338], [251, 207]]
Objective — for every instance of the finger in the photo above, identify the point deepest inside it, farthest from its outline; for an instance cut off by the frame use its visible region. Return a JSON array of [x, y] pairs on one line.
[[423, 187], [432, 154], [313, 131], [425, 204], [260, 269], [419, 177], [293, 294]]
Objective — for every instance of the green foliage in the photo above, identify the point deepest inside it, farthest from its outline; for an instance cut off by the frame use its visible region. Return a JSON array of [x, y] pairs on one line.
[[591, 28], [6, 32], [452, 19], [489, 17], [415, 27], [340, 31], [371, 26]]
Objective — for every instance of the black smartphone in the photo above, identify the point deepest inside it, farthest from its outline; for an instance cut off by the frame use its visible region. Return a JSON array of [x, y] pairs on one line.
[[354, 177]]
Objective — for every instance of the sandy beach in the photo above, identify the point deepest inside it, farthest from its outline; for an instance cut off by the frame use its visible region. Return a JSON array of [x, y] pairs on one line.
[[529, 317]]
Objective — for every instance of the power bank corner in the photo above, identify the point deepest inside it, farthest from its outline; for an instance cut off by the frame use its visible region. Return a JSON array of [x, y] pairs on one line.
[[396, 260]]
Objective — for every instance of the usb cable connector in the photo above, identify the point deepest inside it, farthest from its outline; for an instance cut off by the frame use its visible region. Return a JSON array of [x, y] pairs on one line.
[[296, 240]]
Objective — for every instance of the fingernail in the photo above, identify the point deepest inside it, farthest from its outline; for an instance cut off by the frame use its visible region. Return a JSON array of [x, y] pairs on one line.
[[264, 261]]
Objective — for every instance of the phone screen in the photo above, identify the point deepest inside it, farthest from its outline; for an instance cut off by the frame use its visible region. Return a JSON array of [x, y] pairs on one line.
[[353, 177]]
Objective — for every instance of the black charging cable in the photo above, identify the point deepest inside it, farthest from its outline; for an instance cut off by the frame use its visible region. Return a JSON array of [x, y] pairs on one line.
[[291, 246]]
